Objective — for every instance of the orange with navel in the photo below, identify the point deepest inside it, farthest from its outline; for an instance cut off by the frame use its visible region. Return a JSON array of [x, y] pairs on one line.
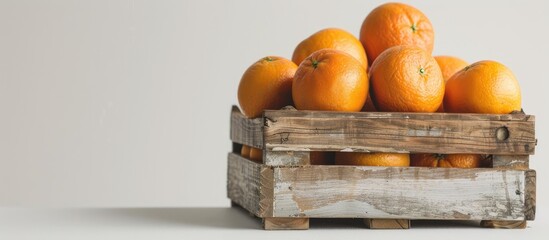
[[331, 38], [245, 151], [483, 87], [447, 160], [406, 79], [330, 80], [395, 24], [372, 159], [449, 65], [267, 84], [256, 154]]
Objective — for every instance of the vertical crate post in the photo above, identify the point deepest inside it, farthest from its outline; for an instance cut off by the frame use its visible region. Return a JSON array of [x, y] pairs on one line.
[[284, 159], [519, 162]]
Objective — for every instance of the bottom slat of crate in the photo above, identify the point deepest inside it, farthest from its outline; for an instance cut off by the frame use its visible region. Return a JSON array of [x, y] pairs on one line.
[[279, 223], [387, 223], [280, 195]]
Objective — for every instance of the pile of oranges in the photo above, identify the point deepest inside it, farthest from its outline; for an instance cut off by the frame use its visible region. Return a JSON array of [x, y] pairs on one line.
[[389, 68]]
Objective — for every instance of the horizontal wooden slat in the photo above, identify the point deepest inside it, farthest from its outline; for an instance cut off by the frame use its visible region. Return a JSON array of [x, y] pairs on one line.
[[403, 193], [289, 158], [246, 131], [286, 223], [510, 161], [508, 134], [387, 223], [243, 183], [405, 115]]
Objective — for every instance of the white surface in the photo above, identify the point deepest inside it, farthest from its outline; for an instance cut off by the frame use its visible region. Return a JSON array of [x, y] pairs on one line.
[[221, 223], [126, 103]]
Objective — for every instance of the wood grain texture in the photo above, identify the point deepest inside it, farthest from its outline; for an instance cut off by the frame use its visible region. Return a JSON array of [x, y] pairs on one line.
[[266, 192], [387, 223], [243, 183], [246, 131], [399, 132], [286, 158], [286, 223], [510, 161], [530, 195], [400, 193], [516, 162]]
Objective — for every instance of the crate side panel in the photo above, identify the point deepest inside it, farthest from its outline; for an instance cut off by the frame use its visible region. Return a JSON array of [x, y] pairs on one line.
[[530, 195], [246, 131], [243, 183], [399, 193]]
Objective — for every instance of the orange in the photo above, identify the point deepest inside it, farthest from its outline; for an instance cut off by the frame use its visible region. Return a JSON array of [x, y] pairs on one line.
[[395, 24], [449, 66], [372, 159], [406, 79], [245, 151], [256, 154], [447, 161], [267, 84], [332, 38], [483, 87], [330, 80], [322, 158]]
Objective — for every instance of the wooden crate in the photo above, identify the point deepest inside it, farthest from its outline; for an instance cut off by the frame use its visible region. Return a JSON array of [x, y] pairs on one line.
[[285, 191]]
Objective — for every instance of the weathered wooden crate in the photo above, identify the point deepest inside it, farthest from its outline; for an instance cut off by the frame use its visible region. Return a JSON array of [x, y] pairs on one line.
[[285, 191]]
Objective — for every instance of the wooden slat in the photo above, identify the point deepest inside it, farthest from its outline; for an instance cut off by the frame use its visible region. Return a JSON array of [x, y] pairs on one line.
[[286, 223], [286, 158], [516, 162], [404, 115], [530, 195], [387, 223], [246, 131], [243, 183], [266, 192], [503, 224], [510, 161], [401, 193], [509, 134]]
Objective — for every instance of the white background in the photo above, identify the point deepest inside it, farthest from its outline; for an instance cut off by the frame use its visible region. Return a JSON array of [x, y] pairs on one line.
[[126, 103]]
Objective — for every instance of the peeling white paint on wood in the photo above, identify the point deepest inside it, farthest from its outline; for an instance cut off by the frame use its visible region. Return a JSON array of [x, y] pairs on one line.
[[287, 158], [406, 193], [283, 188]]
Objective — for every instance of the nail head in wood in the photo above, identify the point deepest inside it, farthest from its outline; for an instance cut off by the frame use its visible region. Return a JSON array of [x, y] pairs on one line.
[[502, 133]]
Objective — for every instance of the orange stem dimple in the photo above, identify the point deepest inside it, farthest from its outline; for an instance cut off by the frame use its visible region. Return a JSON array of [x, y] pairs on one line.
[[315, 64]]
